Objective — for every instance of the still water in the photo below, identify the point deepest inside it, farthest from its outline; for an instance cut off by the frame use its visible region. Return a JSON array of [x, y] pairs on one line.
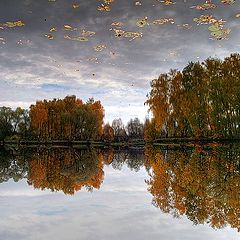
[[152, 193]]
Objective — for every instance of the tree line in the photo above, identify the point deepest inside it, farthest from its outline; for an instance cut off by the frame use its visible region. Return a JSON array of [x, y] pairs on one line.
[[67, 119], [201, 101]]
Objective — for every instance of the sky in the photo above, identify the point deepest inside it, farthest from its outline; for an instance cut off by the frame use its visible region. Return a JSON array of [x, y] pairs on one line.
[[64, 47], [121, 209]]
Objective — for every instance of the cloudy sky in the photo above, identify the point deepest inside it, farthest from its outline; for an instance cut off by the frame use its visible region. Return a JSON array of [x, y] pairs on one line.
[[36, 63]]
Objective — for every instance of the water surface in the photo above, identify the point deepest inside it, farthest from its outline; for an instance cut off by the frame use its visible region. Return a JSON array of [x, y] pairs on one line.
[[155, 193]]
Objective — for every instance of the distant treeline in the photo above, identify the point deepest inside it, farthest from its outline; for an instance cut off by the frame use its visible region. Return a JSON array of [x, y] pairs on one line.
[[201, 101], [65, 119]]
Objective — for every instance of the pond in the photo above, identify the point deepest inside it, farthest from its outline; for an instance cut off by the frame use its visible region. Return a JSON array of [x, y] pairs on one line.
[[164, 192]]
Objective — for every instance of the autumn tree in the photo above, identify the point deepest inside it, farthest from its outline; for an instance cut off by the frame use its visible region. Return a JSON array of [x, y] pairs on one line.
[[108, 133], [158, 100], [200, 101], [67, 118]]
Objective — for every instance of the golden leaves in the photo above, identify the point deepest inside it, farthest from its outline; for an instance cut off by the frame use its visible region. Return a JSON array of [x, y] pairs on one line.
[[208, 19], [87, 33], [99, 48], [84, 35], [117, 24], [162, 21], [205, 6], [228, 2], [18, 23], [49, 36], [126, 34], [105, 6], [108, 1], [67, 27], [168, 2], [142, 22], [132, 35], [53, 29], [220, 32], [79, 39]]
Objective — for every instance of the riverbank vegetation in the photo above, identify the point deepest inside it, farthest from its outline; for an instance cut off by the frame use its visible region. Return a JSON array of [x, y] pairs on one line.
[[65, 120]]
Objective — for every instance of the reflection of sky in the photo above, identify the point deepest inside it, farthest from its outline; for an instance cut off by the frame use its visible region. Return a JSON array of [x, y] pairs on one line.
[[41, 68], [121, 209]]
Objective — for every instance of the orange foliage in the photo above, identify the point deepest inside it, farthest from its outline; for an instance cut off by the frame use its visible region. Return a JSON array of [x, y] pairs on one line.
[[67, 118], [201, 184]]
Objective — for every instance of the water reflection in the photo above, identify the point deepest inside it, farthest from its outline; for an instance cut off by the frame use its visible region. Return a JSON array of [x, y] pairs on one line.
[[201, 183], [133, 159], [58, 169], [66, 170], [12, 165]]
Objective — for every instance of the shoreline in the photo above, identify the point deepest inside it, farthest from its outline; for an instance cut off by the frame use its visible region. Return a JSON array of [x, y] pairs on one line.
[[130, 143]]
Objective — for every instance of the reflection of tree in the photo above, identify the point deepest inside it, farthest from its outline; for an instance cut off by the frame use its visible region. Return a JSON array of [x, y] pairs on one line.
[[119, 159], [66, 170], [12, 166], [133, 158], [107, 155], [203, 184]]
